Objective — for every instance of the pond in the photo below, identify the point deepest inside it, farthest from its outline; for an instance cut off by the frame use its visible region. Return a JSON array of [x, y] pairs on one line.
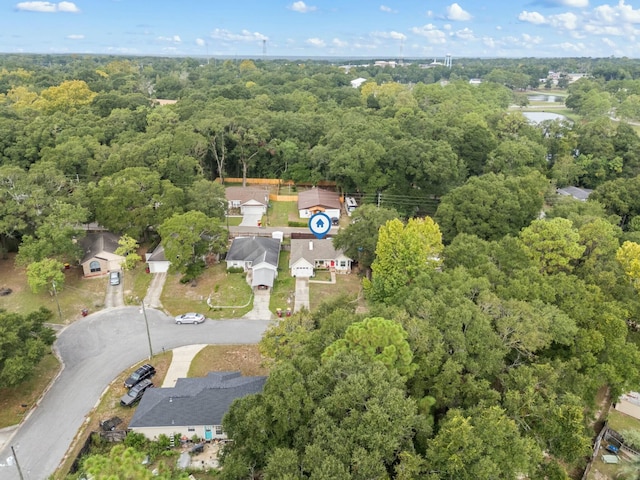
[[539, 117], [541, 97]]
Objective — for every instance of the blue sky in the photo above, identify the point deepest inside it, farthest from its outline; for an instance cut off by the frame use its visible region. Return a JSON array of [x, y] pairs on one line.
[[388, 29]]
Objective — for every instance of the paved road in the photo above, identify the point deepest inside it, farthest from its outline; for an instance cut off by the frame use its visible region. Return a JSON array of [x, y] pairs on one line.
[[94, 351]]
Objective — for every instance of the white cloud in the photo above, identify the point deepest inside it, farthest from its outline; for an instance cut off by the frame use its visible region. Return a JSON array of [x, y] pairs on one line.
[[465, 34], [244, 36], [429, 13], [336, 42], [68, 7], [489, 42], [567, 20], [315, 42], [531, 17], [75, 36], [605, 30], [393, 35], [301, 7], [384, 8], [568, 46], [174, 39], [530, 39], [48, 7], [621, 13], [609, 43], [457, 13], [574, 3], [431, 33], [200, 42]]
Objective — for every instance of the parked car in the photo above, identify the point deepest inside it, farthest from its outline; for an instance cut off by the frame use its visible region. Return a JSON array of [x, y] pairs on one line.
[[135, 393], [142, 373], [192, 317], [114, 278]]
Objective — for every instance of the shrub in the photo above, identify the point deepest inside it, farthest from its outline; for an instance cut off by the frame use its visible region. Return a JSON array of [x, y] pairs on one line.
[[235, 270], [296, 223]]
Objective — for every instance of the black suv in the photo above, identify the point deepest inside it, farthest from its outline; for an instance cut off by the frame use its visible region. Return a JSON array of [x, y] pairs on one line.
[[135, 393], [142, 373]]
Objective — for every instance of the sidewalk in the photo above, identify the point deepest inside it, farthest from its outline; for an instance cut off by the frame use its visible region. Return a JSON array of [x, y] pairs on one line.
[[182, 357]]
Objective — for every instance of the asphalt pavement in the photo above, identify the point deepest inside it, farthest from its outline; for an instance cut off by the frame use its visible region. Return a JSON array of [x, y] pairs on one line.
[[94, 351]]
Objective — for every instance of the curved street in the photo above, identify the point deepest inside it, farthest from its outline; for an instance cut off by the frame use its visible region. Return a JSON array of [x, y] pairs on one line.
[[94, 351]]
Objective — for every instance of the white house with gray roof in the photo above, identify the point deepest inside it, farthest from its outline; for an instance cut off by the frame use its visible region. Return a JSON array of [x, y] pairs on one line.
[[257, 255], [309, 255], [195, 406]]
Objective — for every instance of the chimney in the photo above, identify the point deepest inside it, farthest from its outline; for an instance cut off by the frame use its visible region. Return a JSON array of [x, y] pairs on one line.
[[310, 245]]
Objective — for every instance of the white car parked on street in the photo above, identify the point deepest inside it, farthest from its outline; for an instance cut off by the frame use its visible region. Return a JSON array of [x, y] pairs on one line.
[[191, 317]]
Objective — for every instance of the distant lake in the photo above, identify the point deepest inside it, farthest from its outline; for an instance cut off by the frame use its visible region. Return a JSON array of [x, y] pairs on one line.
[[539, 97], [538, 117]]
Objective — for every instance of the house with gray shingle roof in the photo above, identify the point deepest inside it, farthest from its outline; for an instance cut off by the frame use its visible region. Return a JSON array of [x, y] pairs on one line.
[[195, 406], [157, 261], [309, 255], [578, 193], [257, 255], [99, 254], [318, 200], [250, 200]]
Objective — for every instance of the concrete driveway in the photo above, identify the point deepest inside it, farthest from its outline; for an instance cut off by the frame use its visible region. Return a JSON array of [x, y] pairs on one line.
[[152, 299], [260, 311], [115, 294], [94, 351], [302, 294], [250, 219]]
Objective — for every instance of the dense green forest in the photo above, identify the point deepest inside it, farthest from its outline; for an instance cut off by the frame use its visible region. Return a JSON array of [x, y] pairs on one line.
[[490, 331]]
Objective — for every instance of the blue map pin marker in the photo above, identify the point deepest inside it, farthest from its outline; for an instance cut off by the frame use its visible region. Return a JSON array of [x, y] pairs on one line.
[[320, 225]]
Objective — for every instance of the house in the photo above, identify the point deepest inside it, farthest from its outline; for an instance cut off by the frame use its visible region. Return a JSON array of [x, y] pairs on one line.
[[257, 255], [309, 255], [357, 83], [581, 194], [249, 200], [195, 406], [99, 254], [318, 200], [156, 261]]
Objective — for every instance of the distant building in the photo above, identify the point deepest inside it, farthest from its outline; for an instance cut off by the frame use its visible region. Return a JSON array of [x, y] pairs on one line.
[[578, 193], [358, 82], [258, 256], [99, 254], [318, 200]]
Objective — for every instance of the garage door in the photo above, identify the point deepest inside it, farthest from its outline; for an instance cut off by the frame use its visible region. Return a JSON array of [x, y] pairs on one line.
[[253, 210], [302, 272]]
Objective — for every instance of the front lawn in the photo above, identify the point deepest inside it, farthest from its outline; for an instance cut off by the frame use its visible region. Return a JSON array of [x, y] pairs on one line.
[[281, 212], [76, 293], [136, 283], [228, 290], [284, 289], [228, 358], [348, 285]]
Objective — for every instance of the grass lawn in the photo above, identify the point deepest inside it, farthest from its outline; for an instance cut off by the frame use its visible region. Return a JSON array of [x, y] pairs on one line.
[[619, 421], [281, 212], [76, 294], [234, 221], [27, 393], [136, 283], [284, 289], [226, 289], [221, 358], [345, 285]]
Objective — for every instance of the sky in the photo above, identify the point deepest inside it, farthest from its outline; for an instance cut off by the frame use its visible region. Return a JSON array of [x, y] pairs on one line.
[[390, 29]]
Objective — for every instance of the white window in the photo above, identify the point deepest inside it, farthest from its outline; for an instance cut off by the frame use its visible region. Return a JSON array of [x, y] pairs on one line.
[[191, 429], [218, 429]]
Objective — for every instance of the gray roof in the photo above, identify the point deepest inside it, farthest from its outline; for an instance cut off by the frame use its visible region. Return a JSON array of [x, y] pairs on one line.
[[575, 192], [317, 197], [255, 250], [157, 255], [246, 194], [96, 243], [322, 250], [194, 401]]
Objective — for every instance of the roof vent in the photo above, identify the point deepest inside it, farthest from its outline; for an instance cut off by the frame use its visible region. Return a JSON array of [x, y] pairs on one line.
[[170, 399], [310, 245]]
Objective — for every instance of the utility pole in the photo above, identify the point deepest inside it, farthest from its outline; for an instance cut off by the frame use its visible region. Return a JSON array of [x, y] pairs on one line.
[[379, 199], [55, 294], [146, 322], [13, 452]]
